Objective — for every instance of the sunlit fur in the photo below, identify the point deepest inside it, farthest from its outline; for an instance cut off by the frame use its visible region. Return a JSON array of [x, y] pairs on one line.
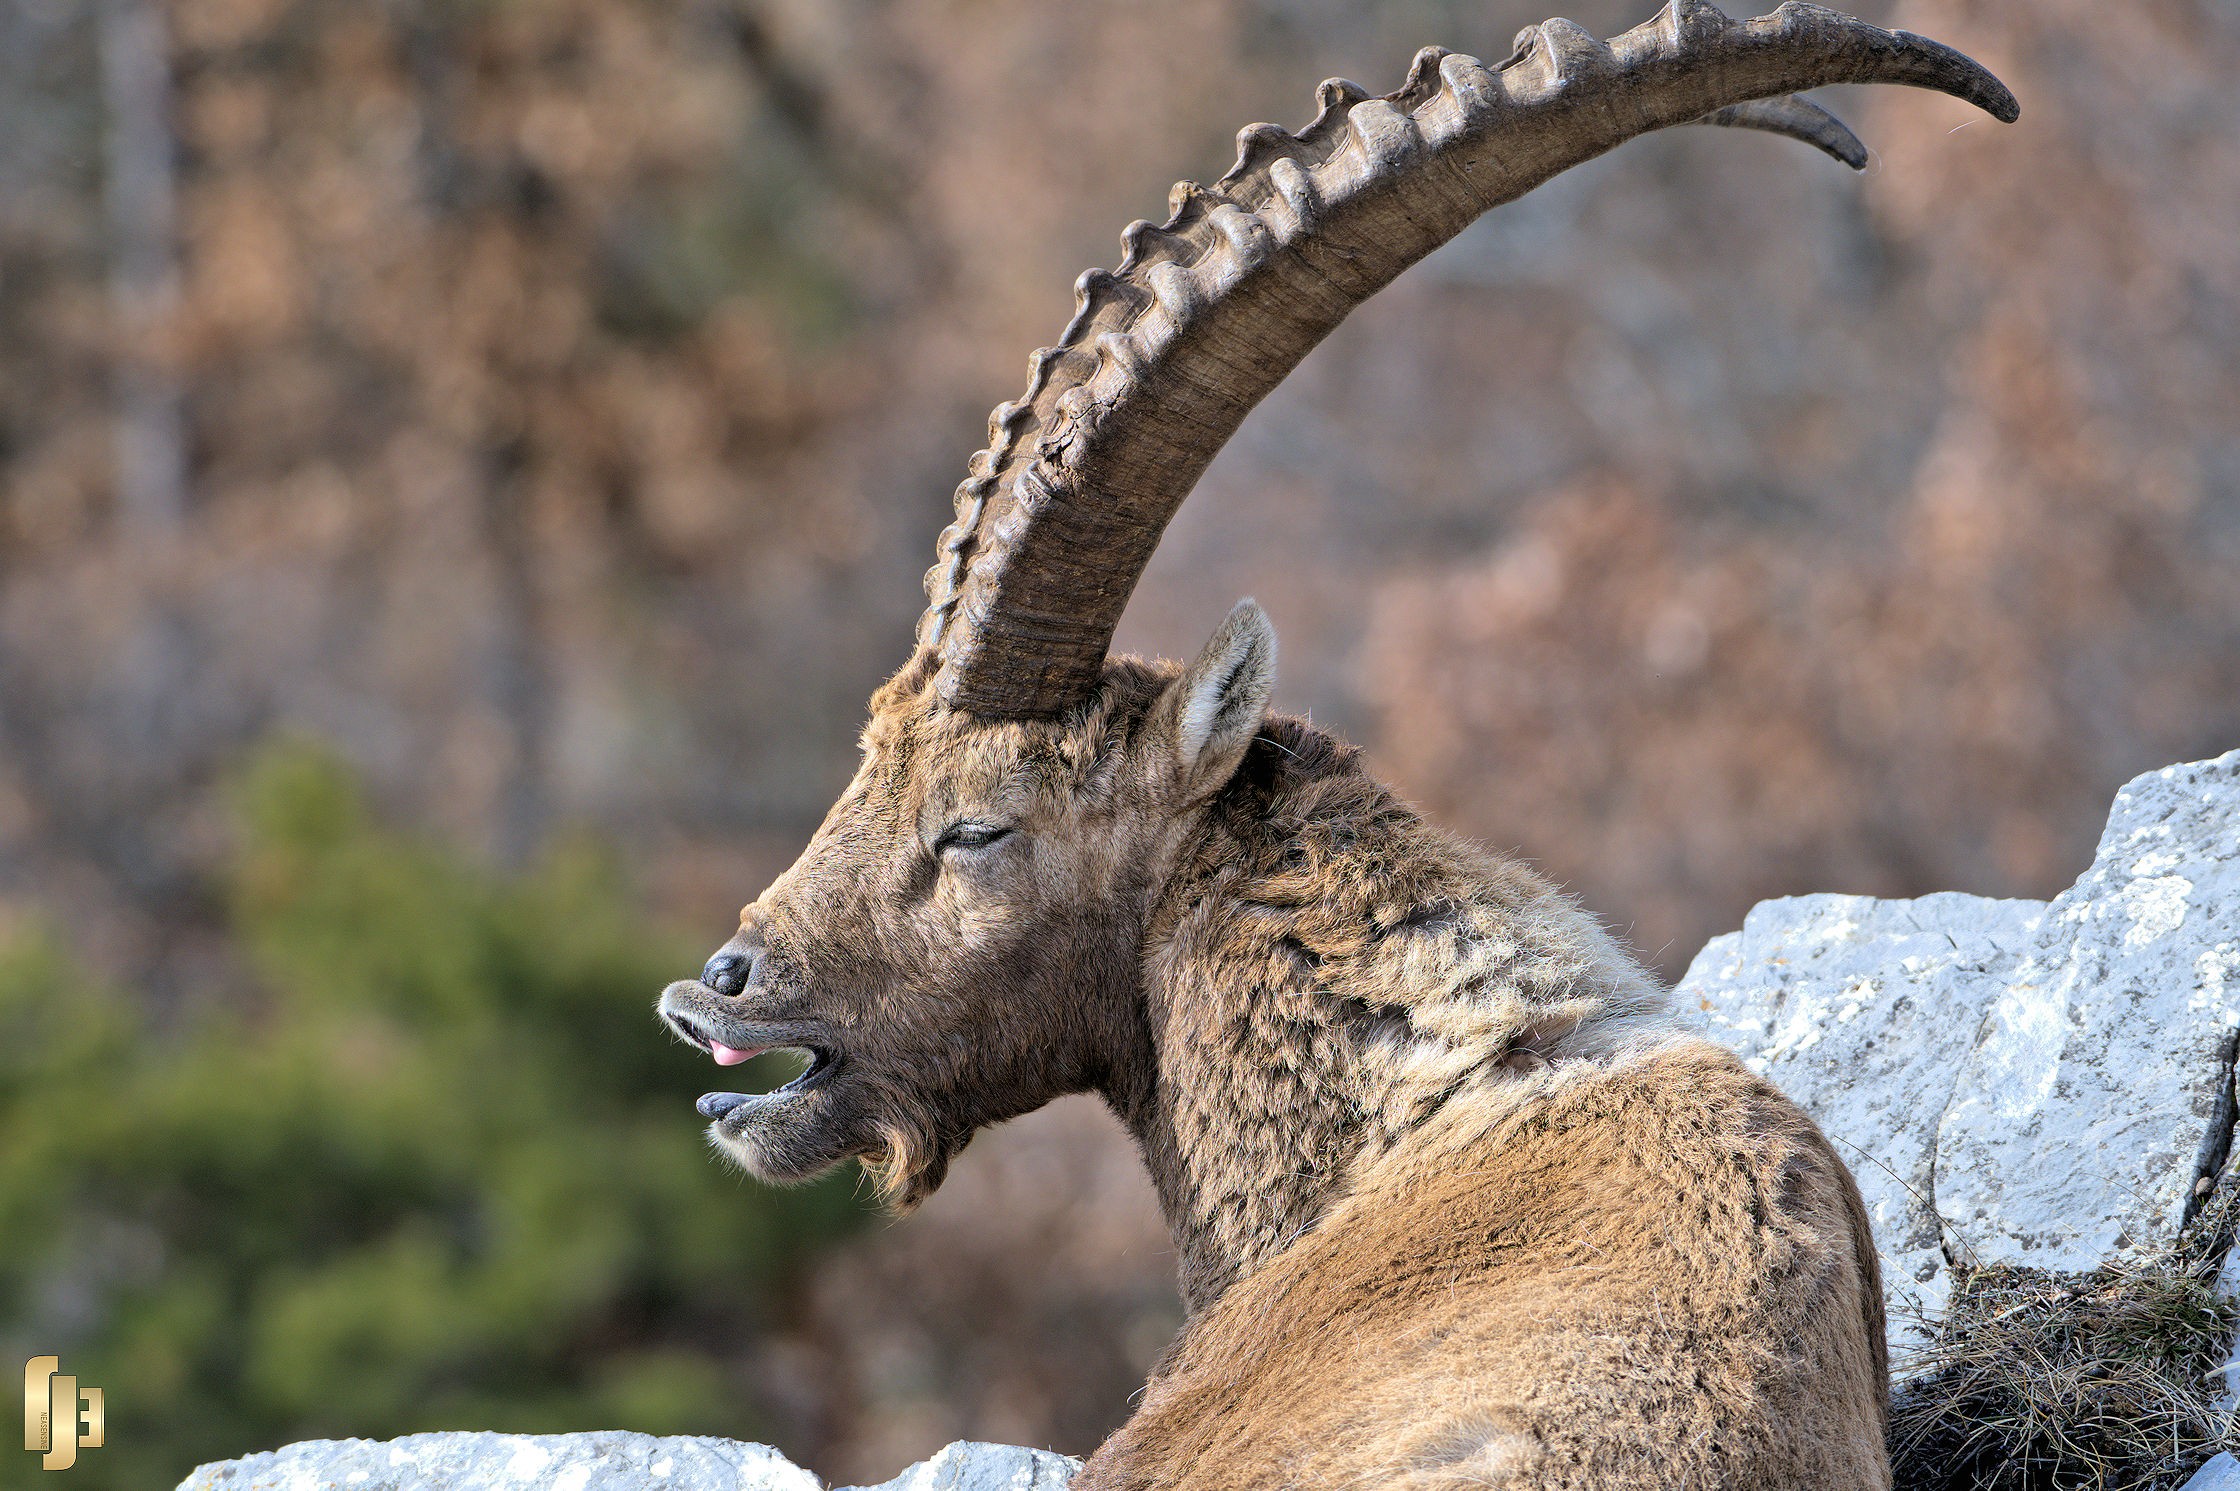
[[1457, 1200]]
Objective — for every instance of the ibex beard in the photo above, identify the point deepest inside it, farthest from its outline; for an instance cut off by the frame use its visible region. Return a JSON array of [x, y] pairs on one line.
[[1458, 1200]]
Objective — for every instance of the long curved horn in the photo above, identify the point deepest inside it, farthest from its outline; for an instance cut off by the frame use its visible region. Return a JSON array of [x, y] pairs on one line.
[[1166, 355]]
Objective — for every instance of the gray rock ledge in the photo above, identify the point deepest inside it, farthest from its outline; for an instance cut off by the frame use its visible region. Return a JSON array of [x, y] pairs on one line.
[[612, 1461], [2018, 1082]]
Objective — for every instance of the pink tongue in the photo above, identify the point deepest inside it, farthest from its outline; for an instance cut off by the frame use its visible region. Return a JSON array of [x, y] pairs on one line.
[[725, 1056]]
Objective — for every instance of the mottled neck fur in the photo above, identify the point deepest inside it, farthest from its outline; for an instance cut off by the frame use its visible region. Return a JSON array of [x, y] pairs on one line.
[[1323, 973]]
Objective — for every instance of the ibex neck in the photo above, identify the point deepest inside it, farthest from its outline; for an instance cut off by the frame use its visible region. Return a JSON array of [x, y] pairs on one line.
[[1323, 973]]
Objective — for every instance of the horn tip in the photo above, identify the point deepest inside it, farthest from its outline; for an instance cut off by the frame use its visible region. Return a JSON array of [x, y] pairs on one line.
[[1992, 96], [1956, 73]]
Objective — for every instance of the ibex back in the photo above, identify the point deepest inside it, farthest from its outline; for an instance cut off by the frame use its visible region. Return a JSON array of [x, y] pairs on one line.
[[1458, 1200]]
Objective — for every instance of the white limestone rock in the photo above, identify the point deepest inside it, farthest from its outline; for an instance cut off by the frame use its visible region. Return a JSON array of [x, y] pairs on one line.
[[2017, 1082], [613, 1461], [2220, 1474], [966, 1466]]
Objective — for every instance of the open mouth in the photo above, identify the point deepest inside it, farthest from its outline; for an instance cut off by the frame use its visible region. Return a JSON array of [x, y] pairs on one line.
[[816, 1065]]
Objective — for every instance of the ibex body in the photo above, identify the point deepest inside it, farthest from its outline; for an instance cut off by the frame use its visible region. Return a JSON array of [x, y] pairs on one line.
[[1458, 1201]]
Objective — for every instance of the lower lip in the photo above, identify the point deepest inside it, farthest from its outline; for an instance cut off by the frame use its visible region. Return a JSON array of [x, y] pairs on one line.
[[717, 1104]]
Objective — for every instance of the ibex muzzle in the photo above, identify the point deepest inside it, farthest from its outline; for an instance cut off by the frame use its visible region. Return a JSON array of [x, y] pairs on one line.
[[1457, 1199]]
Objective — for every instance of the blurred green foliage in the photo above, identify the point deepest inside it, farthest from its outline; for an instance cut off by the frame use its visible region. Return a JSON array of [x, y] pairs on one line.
[[442, 1172]]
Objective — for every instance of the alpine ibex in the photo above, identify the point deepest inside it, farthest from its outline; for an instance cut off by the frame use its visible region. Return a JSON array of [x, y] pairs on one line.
[[1458, 1202]]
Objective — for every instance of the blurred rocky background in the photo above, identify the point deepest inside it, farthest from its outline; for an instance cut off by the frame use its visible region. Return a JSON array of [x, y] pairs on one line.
[[464, 463]]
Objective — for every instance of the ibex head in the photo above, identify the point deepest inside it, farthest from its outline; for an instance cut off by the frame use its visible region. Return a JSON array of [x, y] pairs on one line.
[[962, 940], [967, 935]]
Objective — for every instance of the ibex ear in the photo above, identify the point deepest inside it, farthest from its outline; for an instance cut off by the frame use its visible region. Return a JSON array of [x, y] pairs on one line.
[[1216, 706]]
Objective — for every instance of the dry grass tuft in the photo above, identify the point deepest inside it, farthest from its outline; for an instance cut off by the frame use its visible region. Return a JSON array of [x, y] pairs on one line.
[[2109, 1380]]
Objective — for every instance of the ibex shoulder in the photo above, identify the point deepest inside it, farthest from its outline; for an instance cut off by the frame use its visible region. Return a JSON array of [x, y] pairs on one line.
[[1483, 1307]]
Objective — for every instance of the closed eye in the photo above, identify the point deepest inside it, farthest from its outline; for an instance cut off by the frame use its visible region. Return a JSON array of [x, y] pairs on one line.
[[969, 835]]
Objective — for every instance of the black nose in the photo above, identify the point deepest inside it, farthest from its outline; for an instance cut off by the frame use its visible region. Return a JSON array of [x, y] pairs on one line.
[[726, 973]]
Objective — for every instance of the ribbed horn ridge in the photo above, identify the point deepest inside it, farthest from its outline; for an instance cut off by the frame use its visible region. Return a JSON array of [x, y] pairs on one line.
[[1206, 313]]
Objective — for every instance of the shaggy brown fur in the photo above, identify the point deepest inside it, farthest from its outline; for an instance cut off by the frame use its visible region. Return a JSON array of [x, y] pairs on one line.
[[1645, 1275], [1457, 1202]]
